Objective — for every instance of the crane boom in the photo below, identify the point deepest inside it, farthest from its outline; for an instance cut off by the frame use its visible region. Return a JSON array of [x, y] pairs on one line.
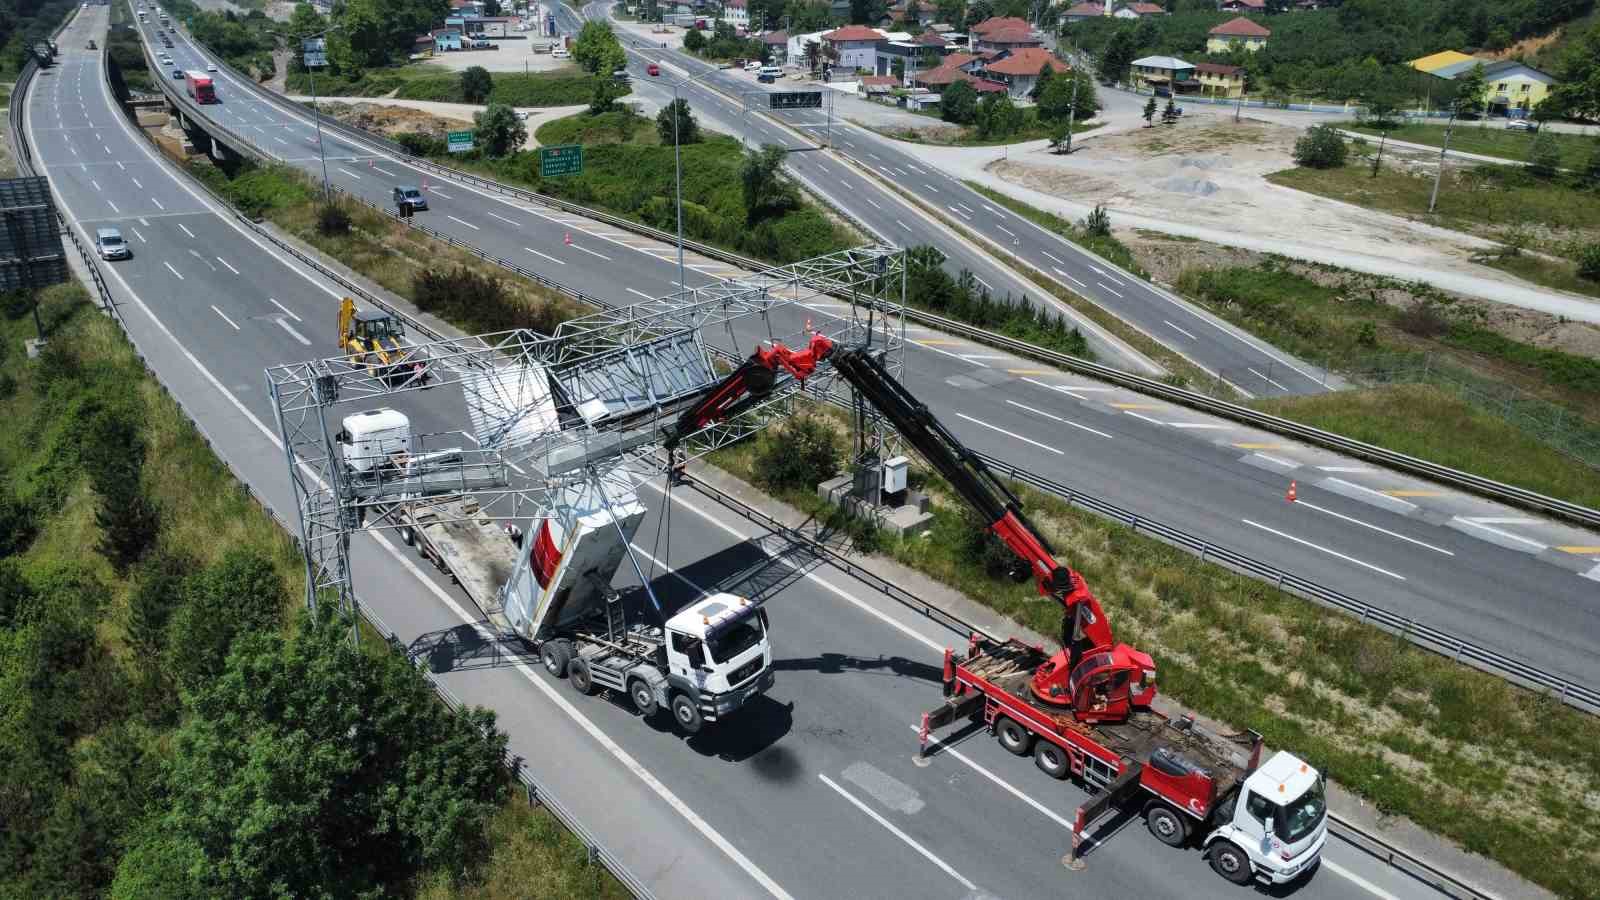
[[1085, 629]]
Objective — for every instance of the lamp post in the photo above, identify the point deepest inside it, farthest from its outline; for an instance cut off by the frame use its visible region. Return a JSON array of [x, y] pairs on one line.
[[677, 165], [319, 53]]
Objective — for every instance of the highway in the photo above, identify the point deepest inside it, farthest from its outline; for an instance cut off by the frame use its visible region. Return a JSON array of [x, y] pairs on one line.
[[825, 759], [1443, 559]]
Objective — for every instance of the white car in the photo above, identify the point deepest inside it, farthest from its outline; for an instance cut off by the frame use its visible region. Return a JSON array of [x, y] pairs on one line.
[[560, 53], [752, 65], [211, 67]]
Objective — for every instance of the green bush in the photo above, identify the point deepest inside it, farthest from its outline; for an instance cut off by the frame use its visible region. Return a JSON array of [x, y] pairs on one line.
[[1589, 262], [1321, 147], [797, 455], [475, 84], [332, 220], [421, 143]]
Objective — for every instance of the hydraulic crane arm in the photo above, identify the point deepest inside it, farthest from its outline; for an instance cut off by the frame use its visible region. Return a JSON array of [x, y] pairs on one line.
[[748, 385]]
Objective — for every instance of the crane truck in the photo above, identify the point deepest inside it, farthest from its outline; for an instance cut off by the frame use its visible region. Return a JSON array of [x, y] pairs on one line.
[[1085, 711], [702, 663]]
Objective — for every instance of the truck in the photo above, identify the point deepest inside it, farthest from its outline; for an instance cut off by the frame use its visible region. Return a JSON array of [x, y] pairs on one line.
[[1085, 711], [198, 86], [552, 590]]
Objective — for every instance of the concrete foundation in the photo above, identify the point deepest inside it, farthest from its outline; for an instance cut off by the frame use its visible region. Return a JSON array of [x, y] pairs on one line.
[[904, 513]]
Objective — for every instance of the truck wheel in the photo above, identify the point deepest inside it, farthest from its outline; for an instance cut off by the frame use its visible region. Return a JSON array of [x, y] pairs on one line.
[[644, 699], [687, 713], [1050, 759], [556, 655], [1166, 824], [407, 536], [1013, 737], [580, 677], [1231, 863]]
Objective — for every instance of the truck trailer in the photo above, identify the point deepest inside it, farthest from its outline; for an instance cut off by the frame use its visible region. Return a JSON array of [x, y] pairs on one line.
[[552, 589], [198, 86]]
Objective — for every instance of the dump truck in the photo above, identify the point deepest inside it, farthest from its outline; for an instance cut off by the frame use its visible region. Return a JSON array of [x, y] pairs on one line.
[[552, 589]]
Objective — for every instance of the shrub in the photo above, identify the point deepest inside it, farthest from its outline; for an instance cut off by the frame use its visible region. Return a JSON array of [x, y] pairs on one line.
[[476, 84], [1544, 158], [677, 122], [694, 40], [797, 455], [1589, 262], [959, 103], [332, 220], [1422, 320], [1321, 147], [1098, 222], [420, 143], [499, 131]]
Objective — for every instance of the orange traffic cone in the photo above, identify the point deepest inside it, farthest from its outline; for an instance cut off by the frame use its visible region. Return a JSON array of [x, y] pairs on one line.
[[569, 238], [1293, 493]]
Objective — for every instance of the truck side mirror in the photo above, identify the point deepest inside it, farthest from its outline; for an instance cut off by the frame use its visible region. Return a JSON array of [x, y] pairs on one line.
[[342, 437]]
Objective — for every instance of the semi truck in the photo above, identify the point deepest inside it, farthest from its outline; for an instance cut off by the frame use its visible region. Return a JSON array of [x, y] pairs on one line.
[[552, 589], [198, 86], [1085, 711]]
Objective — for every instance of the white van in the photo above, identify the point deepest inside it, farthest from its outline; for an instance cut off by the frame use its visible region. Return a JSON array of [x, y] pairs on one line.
[[770, 71], [560, 53]]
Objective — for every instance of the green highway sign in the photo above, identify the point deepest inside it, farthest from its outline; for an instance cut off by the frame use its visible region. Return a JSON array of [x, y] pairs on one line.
[[459, 141], [796, 100], [564, 160]]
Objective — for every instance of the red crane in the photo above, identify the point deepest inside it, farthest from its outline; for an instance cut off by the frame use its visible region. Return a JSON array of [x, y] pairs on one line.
[[1097, 678]]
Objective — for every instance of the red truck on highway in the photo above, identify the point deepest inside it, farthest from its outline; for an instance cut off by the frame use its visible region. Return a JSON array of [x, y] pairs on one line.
[[198, 85]]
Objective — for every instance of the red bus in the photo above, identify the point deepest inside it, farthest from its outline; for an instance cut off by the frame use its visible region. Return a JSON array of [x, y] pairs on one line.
[[198, 84]]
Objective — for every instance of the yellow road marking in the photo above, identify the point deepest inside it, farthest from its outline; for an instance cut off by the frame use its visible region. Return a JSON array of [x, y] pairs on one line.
[[1413, 493], [1260, 446], [932, 342], [1581, 551], [1135, 406]]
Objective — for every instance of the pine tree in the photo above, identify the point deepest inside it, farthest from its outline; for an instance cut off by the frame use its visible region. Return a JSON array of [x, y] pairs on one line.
[[1150, 112]]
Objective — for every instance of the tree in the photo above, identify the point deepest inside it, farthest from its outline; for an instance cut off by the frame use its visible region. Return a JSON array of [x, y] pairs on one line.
[[1382, 101], [1544, 157], [238, 595], [913, 16], [959, 103], [1117, 56], [606, 92], [499, 131], [1589, 262], [813, 55], [1321, 147], [1470, 89], [675, 123], [1058, 135], [598, 51], [1169, 114], [491, 8], [1149, 113], [898, 68], [476, 84], [314, 768], [1578, 76], [1046, 74], [1057, 100], [303, 22], [694, 40], [998, 117], [767, 191]]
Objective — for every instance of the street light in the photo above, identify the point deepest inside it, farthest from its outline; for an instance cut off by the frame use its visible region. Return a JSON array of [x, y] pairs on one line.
[[320, 54], [677, 165]]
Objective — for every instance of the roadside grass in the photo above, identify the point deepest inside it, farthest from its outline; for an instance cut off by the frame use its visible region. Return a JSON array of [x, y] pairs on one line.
[[414, 82], [619, 126], [1497, 202], [967, 135], [531, 855], [1507, 773], [1485, 138], [1433, 423], [1550, 272]]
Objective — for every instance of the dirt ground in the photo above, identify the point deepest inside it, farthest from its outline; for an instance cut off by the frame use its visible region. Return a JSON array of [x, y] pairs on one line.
[[392, 120], [1165, 257]]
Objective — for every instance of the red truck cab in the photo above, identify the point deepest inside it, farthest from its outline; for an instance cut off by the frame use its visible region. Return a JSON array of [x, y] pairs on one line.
[[198, 85]]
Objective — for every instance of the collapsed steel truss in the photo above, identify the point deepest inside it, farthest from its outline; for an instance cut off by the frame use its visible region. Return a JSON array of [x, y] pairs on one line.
[[521, 415]]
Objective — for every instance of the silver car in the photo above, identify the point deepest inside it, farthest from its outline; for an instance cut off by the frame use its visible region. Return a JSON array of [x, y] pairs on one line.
[[110, 244]]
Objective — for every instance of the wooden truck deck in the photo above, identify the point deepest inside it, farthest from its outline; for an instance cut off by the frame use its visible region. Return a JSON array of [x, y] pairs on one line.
[[468, 545]]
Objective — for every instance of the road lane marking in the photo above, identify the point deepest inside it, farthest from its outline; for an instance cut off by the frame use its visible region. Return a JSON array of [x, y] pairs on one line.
[[940, 342], [1054, 257], [1064, 388], [1109, 288], [468, 224], [559, 262], [1200, 425], [1134, 406], [229, 265], [172, 270], [1286, 463], [1006, 230], [640, 293], [138, 235], [186, 229], [157, 203], [286, 309], [114, 207], [949, 748], [902, 224], [1357, 880], [1304, 542], [224, 316], [96, 184], [911, 842], [1366, 490], [506, 220], [958, 212], [1266, 379], [1408, 493], [1355, 521], [1066, 276], [1150, 419], [930, 187], [1499, 520], [1106, 275], [590, 252], [1041, 412], [289, 328], [1478, 523], [384, 171], [873, 202], [348, 172], [1579, 550], [434, 190], [1011, 434], [1353, 470], [1180, 330]]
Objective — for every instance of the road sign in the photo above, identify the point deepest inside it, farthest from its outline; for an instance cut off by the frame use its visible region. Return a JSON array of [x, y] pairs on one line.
[[459, 141], [316, 51], [563, 160], [796, 100]]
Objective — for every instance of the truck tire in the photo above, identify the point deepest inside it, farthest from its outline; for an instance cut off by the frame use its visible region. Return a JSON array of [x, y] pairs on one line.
[[1231, 862], [579, 676], [556, 655], [644, 699], [687, 713], [1167, 824], [1013, 737], [407, 536], [1051, 760]]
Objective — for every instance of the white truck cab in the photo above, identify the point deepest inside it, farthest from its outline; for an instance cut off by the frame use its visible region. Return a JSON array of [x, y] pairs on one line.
[[373, 438], [718, 655], [1278, 826]]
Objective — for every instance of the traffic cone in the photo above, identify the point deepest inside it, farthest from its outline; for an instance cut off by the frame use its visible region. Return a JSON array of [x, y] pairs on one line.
[[1293, 493], [569, 239]]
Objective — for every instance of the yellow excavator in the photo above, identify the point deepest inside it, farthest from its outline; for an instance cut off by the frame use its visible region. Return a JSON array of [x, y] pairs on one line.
[[372, 337]]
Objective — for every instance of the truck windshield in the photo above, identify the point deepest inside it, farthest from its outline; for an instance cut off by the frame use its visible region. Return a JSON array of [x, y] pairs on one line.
[[1300, 818], [735, 640]]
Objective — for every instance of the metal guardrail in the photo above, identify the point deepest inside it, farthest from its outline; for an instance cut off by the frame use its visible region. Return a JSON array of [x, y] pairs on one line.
[[1378, 848], [1485, 487]]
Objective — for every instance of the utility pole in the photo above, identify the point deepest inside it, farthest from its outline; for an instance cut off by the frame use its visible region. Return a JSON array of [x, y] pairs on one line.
[[1072, 111], [1239, 107], [1437, 176], [1378, 160]]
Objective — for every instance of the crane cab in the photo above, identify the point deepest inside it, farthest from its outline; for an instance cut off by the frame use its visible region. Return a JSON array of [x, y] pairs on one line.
[[1106, 686]]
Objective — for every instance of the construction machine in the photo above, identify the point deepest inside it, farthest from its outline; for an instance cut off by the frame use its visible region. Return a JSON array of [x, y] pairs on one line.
[[375, 339]]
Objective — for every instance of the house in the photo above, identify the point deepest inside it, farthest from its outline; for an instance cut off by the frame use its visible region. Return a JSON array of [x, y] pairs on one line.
[[1218, 80], [876, 86], [1439, 60], [777, 47], [1164, 74], [956, 67], [909, 53], [857, 46], [933, 40], [446, 39], [736, 12], [1083, 11], [1240, 33], [1511, 88], [1140, 10], [1242, 6], [422, 44], [795, 50], [1003, 33], [1019, 70]]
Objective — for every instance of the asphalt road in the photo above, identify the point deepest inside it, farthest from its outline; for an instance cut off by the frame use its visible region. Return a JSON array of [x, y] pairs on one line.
[[825, 758], [1485, 573]]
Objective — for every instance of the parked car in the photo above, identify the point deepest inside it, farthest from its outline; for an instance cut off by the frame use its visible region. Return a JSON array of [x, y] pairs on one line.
[[211, 67], [753, 65], [409, 196], [653, 70], [1522, 125], [110, 244], [620, 75]]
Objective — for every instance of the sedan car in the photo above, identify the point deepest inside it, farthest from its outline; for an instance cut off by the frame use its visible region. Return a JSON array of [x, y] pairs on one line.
[[211, 67], [109, 242], [1522, 125], [178, 74]]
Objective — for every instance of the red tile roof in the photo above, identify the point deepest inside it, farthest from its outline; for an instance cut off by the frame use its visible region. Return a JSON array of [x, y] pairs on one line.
[[999, 22], [957, 60], [1253, 4], [942, 75], [985, 86], [932, 39], [1027, 62], [1217, 69], [1010, 36], [1240, 27], [853, 33], [1086, 9], [879, 79], [1150, 9], [775, 37]]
